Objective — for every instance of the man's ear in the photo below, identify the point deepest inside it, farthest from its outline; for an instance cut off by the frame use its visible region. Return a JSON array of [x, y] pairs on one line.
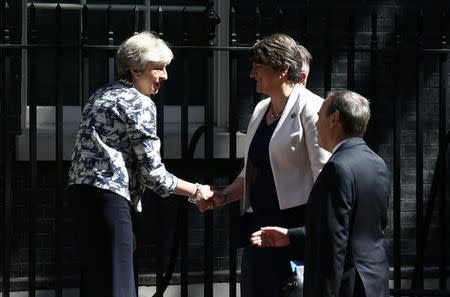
[[334, 119]]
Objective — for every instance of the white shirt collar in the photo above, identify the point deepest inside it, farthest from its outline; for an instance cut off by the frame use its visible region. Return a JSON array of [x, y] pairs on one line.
[[342, 142]]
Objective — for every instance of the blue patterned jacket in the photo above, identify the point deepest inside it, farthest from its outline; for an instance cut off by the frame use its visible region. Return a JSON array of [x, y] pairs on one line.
[[117, 147]]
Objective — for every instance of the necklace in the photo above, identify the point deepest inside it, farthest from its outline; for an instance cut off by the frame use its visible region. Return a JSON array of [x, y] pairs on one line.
[[278, 114], [275, 115]]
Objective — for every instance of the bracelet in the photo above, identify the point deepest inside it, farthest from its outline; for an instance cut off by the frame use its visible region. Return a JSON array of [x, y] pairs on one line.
[[198, 194]]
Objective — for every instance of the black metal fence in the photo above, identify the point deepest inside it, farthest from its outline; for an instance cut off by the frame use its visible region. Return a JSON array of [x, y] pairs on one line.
[[333, 47]]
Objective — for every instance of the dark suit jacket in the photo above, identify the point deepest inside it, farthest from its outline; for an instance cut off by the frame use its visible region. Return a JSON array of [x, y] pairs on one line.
[[345, 219]]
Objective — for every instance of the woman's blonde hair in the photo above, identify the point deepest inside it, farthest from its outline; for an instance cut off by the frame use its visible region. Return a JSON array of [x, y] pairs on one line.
[[140, 49]]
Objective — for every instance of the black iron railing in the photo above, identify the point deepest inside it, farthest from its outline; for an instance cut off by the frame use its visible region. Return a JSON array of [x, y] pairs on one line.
[[210, 167]]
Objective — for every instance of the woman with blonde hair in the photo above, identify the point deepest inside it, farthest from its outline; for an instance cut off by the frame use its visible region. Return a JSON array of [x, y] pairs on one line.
[[115, 157]]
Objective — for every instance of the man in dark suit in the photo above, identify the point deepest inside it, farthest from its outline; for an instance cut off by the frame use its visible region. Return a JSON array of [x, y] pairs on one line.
[[347, 209]]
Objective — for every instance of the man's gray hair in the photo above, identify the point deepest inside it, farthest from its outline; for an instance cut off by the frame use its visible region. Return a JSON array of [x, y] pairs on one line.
[[306, 58], [140, 49], [353, 109]]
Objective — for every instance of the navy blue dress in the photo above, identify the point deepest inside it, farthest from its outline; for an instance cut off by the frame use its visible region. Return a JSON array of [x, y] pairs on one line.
[[264, 270]]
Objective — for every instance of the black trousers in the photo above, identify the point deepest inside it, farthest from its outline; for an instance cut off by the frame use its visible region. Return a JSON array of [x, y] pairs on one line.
[[264, 271], [352, 285], [105, 242]]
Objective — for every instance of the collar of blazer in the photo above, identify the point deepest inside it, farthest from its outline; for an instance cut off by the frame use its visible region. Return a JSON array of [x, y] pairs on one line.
[[261, 109], [348, 143]]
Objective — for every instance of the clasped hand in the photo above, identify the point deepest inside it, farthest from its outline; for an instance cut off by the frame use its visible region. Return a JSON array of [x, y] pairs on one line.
[[209, 198]]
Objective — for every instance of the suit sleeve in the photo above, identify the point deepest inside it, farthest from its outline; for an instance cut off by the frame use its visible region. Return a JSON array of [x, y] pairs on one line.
[[297, 238], [317, 156], [336, 202]]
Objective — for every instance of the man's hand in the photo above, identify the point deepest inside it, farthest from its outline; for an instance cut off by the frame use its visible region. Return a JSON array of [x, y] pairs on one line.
[[270, 236]]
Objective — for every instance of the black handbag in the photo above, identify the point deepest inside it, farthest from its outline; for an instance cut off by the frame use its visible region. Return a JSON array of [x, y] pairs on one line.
[[293, 287]]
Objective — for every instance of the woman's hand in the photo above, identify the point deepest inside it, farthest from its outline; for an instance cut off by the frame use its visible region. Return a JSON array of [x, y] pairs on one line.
[[205, 201], [219, 198], [270, 236]]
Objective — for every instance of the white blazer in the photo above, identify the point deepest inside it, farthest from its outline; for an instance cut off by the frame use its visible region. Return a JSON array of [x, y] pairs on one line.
[[295, 156]]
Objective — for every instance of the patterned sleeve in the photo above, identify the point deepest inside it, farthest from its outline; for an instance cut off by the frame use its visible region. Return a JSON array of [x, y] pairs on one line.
[[141, 126]]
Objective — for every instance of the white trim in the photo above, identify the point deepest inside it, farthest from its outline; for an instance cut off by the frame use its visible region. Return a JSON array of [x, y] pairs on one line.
[[46, 145], [72, 114]]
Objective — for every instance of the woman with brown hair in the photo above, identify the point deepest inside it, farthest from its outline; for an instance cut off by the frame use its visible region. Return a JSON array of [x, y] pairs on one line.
[[281, 160]]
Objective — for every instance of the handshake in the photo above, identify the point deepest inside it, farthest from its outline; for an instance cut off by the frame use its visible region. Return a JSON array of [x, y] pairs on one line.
[[207, 198]]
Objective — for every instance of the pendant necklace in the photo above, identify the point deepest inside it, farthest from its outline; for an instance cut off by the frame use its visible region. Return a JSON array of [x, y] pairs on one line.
[[275, 115], [278, 114]]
